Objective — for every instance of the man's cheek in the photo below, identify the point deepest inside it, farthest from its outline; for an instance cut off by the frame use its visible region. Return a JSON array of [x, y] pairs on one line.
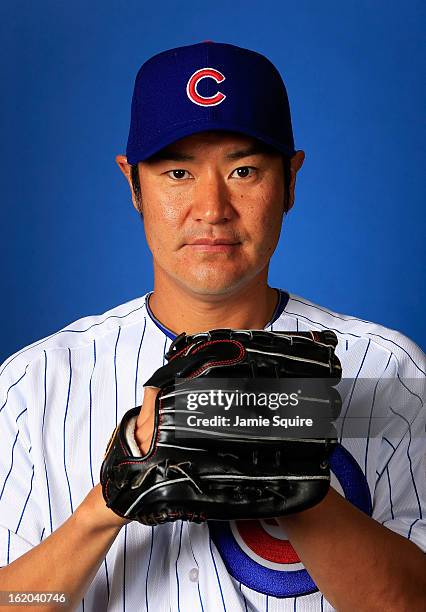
[[270, 236]]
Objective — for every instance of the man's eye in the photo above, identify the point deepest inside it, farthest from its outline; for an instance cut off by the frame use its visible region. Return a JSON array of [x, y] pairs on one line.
[[243, 172], [178, 174]]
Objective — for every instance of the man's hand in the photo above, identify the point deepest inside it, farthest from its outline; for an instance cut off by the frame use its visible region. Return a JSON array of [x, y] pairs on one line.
[[357, 563], [95, 515], [68, 559], [145, 422]]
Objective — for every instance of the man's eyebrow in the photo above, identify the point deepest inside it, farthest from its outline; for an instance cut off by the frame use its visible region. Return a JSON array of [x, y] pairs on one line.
[[171, 155], [255, 149]]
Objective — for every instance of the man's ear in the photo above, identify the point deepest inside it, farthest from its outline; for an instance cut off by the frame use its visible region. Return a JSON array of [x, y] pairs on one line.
[[125, 168], [296, 163]]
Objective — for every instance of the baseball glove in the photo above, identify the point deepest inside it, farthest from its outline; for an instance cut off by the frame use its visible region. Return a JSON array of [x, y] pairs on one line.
[[231, 476]]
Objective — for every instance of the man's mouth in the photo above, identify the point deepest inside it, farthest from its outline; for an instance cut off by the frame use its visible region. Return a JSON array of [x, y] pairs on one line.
[[224, 245]]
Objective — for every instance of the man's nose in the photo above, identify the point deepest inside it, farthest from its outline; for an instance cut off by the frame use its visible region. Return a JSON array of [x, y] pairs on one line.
[[211, 201]]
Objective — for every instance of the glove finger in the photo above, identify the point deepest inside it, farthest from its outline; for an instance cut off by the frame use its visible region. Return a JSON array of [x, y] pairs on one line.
[[218, 352]]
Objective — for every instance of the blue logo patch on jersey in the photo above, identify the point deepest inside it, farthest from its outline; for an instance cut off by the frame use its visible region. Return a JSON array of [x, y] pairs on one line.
[[257, 553]]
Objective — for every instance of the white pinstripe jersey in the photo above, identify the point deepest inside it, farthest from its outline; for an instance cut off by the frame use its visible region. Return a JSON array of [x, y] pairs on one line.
[[60, 399]]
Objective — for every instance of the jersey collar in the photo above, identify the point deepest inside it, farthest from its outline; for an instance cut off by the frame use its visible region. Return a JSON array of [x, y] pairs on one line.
[[279, 309]]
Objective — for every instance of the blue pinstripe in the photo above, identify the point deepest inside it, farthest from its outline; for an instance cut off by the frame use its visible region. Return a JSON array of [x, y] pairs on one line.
[[64, 433], [26, 502], [11, 387], [196, 563], [382, 472], [116, 420], [20, 414], [90, 414], [90, 451], [409, 459], [389, 442], [176, 565], [137, 363], [367, 443], [124, 568], [369, 428], [390, 492], [42, 435], [402, 349], [410, 390], [107, 578], [152, 528], [353, 389], [165, 349], [297, 314], [294, 299], [244, 597], [11, 465], [13, 448], [411, 527], [199, 595], [115, 376], [217, 573], [147, 569]]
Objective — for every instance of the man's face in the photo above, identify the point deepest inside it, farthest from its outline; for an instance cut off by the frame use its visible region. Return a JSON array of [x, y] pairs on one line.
[[219, 189]]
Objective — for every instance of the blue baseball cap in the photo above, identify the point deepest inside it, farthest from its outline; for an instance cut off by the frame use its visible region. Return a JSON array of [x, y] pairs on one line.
[[203, 87]]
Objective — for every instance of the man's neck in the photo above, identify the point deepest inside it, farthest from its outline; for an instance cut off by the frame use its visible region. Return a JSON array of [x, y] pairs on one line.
[[177, 310]]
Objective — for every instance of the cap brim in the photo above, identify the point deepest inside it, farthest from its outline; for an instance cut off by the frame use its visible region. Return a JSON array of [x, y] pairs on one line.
[[145, 152]]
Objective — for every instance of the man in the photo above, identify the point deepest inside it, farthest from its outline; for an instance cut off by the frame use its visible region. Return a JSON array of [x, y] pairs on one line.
[[212, 169]]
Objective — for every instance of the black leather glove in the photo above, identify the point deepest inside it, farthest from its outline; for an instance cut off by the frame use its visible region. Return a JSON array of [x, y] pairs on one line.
[[219, 477]]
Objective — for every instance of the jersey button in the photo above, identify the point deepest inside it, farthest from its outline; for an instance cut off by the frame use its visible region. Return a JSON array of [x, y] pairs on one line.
[[193, 575]]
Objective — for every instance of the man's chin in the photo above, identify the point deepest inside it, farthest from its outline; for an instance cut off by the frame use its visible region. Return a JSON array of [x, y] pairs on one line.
[[218, 287]]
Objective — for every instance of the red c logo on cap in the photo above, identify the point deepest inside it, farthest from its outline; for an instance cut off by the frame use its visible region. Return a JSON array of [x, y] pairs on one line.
[[191, 87]]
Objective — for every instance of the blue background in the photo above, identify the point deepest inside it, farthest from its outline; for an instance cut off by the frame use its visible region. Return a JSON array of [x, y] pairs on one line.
[[71, 242]]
